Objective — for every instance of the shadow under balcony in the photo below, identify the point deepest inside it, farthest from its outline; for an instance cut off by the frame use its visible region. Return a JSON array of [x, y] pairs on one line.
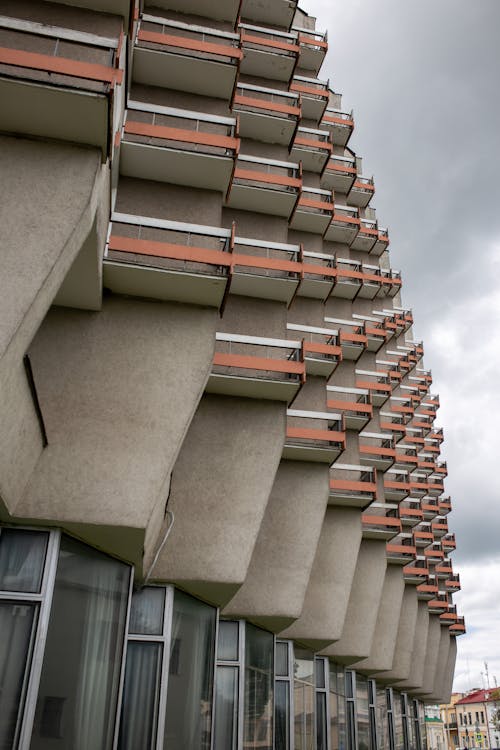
[[313, 436]]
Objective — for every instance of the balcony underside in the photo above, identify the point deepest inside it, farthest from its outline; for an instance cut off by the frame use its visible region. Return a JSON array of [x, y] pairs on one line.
[[56, 112], [223, 10], [314, 288], [382, 533], [268, 128], [312, 160], [363, 243], [312, 107], [339, 182], [382, 463], [345, 288], [337, 232], [324, 367], [340, 133], [262, 200], [263, 64], [360, 198], [309, 221], [350, 499], [196, 75], [248, 387], [263, 287], [176, 166], [277, 13], [316, 454], [164, 284], [352, 351]]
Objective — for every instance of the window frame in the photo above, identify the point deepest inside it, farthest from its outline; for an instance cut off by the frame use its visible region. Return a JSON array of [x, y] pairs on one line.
[[325, 666]]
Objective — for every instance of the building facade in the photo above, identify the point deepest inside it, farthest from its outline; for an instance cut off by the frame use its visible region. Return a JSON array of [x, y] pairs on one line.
[[223, 521], [478, 719]]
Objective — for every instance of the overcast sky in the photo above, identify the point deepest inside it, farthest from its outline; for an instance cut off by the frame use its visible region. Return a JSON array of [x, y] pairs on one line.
[[423, 79]]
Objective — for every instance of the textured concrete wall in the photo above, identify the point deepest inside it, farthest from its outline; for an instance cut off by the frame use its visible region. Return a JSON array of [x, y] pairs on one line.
[[401, 663], [327, 596], [431, 656], [275, 587], [438, 688], [449, 671], [220, 488], [49, 195], [386, 629], [364, 602], [418, 651], [116, 406]]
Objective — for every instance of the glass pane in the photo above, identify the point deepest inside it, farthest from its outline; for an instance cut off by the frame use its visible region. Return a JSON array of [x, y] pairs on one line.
[[362, 713], [140, 695], [281, 715], [321, 729], [226, 708], [304, 665], [398, 721], [337, 708], [17, 621], [146, 611], [190, 681], [382, 737], [227, 643], [282, 659], [319, 665], [81, 668], [259, 657], [351, 725], [22, 555]]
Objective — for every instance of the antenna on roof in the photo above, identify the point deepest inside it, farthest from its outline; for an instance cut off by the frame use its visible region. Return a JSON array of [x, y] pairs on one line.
[[487, 674]]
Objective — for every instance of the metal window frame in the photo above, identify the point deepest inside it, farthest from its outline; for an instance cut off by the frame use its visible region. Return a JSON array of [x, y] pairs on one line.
[[239, 664], [326, 690], [390, 717], [350, 700], [372, 713], [288, 679]]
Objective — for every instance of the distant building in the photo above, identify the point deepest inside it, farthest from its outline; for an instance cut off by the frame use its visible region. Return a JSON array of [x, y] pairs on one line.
[[477, 715]]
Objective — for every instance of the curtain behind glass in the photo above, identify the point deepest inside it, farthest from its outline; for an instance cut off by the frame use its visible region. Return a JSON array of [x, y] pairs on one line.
[[81, 669], [190, 681], [140, 696], [226, 708], [259, 674], [17, 622], [337, 708], [22, 555], [304, 699]]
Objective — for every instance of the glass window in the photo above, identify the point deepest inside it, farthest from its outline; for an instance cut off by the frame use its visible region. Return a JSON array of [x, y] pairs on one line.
[[362, 713], [282, 715], [303, 699], [228, 642], [398, 722], [226, 708], [147, 611], [382, 733], [282, 666], [81, 668], [17, 626], [337, 707], [191, 669], [22, 555], [140, 696], [321, 727], [259, 674]]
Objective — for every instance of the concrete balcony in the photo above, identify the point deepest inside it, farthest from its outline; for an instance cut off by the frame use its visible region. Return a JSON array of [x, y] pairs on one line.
[[318, 275], [452, 583], [382, 243], [196, 59], [314, 96], [435, 486], [266, 114], [256, 367], [429, 590], [376, 382], [450, 616], [344, 225], [393, 371], [313, 436], [444, 504], [222, 10], [391, 282], [353, 339], [406, 457], [418, 485], [322, 352], [362, 191], [340, 124], [396, 485], [265, 186], [374, 329], [402, 553], [340, 173], [430, 507], [167, 260], [348, 278], [70, 81], [438, 604], [265, 270], [434, 553], [313, 48], [367, 236], [449, 543], [423, 421], [353, 403], [416, 572], [458, 627], [437, 434], [313, 148], [401, 407], [444, 569], [313, 211], [178, 146], [392, 423], [410, 513], [268, 53], [381, 522], [440, 527], [353, 486], [423, 536], [377, 450], [278, 13]]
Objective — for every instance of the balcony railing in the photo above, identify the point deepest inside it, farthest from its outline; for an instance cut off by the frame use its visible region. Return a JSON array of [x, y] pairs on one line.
[[340, 124], [313, 211], [314, 95], [69, 80], [410, 513], [313, 48], [268, 53], [376, 382], [353, 403], [448, 542], [428, 590], [444, 569], [452, 582], [439, 604], [362, 191], [430, 508], [458, 627], [353, 339], [352, 485], [381, 521], [416, 572], [394, 423], [314, 436], [313, 148], [396, 485], [423, 536], [322, 352], [444, 504], [265, 270], [392, 282], [340, 173], [265, 186], [401, 552], [401, 407], [318, 275], [440, 527], [344, 225], [374, 329], [278, 13], [382, 243], [377, 450], [256, 367], [367, 236], [197, 59], [266, 114], [178, 146]]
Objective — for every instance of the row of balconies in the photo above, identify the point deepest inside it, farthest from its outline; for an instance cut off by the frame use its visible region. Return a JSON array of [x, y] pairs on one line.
[[278, 13]]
